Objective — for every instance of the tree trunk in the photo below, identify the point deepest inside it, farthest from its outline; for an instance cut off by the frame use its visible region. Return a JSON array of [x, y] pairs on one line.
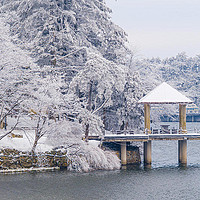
[[86, 132], [1, 125], [89, 108], [35, 144], [90, 97], [126, 126], [104, 120]]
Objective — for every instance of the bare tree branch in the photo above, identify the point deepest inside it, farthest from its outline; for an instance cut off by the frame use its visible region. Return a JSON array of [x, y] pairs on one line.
[[39, 133], [8, 112], [70, 53], [1, 137], [2, 107], [102, 105]]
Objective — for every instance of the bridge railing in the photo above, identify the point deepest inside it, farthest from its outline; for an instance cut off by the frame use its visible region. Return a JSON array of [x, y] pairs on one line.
[[153, 131], [174, 131], [156, 131]]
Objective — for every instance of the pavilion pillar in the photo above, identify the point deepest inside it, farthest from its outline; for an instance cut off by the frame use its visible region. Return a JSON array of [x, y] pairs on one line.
[[182, 144], [182, 118], [147, 145], [147, 118], [123, 153]]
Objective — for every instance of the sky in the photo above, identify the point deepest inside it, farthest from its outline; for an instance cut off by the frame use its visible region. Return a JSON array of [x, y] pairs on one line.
[[159, 28]]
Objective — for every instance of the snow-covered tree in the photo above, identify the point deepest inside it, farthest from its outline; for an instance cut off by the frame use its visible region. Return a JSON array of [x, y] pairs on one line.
[[95, 84], [59, 31], [15, 64], [83, 156], [67, 61]]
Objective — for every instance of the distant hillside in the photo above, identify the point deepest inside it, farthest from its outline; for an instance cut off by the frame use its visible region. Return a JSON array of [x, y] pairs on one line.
[[181, 72]]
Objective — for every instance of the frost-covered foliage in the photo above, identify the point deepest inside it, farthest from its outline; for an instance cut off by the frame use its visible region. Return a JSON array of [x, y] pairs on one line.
[[130, 112], [64, 33], [59, 31], [104, 76], [66, 136], [25, 88], [66, 60], [94, 86], [14, 66], [103, 86]]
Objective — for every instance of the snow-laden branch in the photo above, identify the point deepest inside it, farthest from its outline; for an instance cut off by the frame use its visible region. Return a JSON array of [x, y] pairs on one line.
[[13, 128], [71, 53], [102, 105]]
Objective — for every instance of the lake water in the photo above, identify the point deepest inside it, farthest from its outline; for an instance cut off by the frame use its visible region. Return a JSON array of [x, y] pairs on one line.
[[165, 180]]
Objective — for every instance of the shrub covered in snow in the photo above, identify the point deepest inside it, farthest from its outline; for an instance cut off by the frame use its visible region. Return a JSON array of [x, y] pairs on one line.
[[66, 136]]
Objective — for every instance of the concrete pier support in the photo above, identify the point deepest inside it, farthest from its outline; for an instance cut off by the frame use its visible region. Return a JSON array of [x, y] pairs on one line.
[[182, 152], [182, 144], [147, 145], [147, 153], [123, 153]]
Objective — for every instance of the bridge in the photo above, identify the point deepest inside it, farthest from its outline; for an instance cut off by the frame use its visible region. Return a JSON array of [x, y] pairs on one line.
[[123, 137], [163, 94]]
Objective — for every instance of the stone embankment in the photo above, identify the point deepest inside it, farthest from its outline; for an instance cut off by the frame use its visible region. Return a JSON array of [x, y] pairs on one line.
[[132, 153], [14, 159], [19, 161]]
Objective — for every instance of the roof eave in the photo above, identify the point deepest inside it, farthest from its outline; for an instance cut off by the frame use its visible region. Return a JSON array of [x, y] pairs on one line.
[[166, 102]]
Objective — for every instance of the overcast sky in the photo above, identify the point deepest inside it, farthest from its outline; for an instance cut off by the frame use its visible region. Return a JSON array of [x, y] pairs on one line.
[[161, 28]]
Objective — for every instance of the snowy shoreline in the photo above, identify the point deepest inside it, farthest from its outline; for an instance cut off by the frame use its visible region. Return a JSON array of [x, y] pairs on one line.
[[33, 169]]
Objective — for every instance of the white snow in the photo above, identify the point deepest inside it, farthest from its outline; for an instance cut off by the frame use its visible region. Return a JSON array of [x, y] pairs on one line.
[[21, 170], [25, 143], [164, 94]]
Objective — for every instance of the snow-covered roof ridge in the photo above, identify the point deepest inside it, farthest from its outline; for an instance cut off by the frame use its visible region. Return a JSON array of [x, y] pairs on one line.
[[164, 94]]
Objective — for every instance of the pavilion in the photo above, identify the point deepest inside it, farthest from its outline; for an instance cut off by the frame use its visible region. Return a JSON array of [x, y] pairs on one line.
[[165, 94]]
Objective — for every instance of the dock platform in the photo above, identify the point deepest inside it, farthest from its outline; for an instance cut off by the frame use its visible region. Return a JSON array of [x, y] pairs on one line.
[[145, 138]]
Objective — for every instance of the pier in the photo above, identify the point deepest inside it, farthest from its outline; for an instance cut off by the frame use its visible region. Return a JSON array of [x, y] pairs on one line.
[[125, 137], [163, 94]]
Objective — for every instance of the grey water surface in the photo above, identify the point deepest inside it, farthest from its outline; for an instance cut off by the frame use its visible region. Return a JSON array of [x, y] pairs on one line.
[[165, 180]]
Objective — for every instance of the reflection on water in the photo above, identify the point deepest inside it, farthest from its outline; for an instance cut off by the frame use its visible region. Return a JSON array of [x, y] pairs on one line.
[[164, 180]]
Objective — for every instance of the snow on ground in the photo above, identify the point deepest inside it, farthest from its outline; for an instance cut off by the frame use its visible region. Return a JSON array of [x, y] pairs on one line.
[[94, 143], [22, 170], [25, 143]]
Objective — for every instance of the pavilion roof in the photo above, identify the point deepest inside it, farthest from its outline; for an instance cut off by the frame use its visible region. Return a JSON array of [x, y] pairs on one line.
[[164, 94]]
